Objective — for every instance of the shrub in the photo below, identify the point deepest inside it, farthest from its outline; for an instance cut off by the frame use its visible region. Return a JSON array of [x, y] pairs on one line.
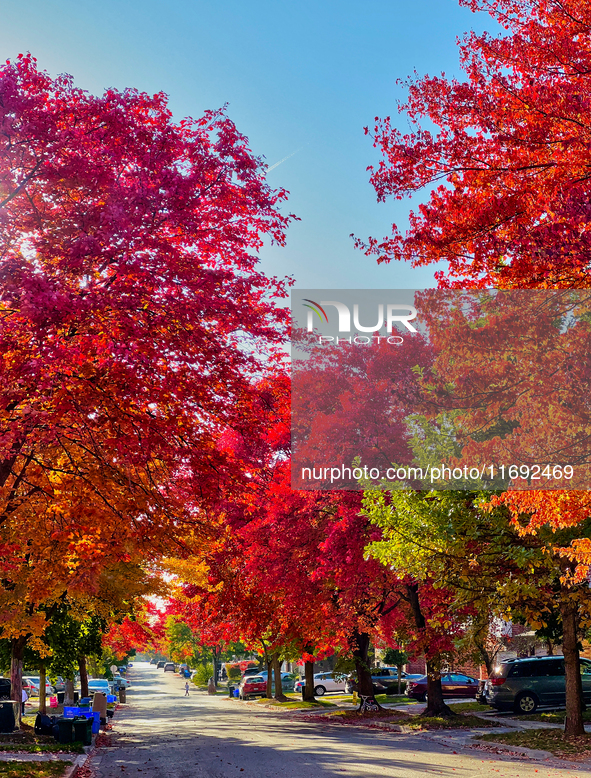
[[203, 674], [234, 673]]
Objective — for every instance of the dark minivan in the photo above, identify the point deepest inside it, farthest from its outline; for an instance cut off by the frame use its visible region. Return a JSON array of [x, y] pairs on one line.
[[523, 685]]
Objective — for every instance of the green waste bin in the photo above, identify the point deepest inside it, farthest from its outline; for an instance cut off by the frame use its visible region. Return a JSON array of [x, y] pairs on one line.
[[65, 730], [83, 730]]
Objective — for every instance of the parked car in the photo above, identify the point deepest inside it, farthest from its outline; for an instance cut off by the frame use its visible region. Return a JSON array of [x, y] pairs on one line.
[[160, 665], [254, 671], [169, 667], [252, 686], [523, 685], [384, 680], [122, 670], [119, 682], [5, 688], [31, 686], [452, 685], [99, 685], [324, 682], [59, 684], [286, 680]]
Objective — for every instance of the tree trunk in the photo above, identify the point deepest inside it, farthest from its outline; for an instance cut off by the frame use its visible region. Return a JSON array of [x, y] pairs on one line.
[[309, 681], [69, 693], [368, 701], [573, 722], [214, 653], [269, 663], [435, 703], [17, 647], [42, 684], [277, 673], [549, 647], [83, 676]]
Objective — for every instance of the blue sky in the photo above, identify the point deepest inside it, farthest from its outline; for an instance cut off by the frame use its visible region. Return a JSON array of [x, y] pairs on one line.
[[302, 78]]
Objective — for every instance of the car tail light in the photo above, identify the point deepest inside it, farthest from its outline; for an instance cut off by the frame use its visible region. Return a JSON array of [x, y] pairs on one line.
[[497, 681]]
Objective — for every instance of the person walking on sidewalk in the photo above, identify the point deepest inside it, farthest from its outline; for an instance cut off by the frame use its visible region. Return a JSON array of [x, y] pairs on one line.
[[186, 688], [24, 698]]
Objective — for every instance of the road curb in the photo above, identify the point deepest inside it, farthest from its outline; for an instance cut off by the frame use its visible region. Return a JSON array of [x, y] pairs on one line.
[[72, 770]]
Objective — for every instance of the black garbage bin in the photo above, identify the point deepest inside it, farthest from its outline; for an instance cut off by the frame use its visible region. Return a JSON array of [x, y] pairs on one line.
[[61, 696], [8, 715], [122, 696], [230, 690], [65, 730], [76, 697], [83, 730]]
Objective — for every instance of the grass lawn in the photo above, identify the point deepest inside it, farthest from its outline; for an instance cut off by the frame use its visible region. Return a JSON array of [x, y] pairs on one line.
[[203, 690], [295, 703], [382, 699], [32, 769], [552, 717], [552, 740], [355, 717], [461, 721], [467, 707], [39, 748]]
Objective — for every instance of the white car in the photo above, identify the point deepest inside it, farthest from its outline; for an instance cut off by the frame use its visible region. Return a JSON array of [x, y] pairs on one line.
[[31, 686], [325, 682], [119, 680], [99, 685]]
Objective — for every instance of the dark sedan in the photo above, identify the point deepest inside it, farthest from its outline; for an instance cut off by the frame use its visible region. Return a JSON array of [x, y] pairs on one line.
[[452, 684]]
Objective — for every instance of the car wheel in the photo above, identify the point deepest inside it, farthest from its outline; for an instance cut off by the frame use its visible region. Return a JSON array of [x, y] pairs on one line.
[[526, 702], [421, 698], [319, 691]]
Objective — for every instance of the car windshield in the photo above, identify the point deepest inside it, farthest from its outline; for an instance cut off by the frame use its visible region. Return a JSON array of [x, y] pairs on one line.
[[255, 679]]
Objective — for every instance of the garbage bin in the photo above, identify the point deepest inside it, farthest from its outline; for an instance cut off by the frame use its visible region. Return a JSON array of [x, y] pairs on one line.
[[61, 696], [83, 731], [65, 730], [303, 692], [230, 690], [122, 697], [8, 715], [76, 697]]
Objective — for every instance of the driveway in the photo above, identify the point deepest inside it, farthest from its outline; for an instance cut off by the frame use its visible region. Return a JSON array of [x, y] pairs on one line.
[[162, 734]]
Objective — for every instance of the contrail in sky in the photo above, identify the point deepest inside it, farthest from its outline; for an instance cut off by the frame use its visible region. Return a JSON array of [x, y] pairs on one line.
[[284, 159]]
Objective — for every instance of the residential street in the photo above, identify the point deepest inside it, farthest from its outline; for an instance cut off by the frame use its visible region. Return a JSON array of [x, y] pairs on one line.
[[160, 733]]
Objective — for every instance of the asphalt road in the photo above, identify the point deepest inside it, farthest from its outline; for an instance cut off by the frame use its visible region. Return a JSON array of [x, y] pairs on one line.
[[162, 734]]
